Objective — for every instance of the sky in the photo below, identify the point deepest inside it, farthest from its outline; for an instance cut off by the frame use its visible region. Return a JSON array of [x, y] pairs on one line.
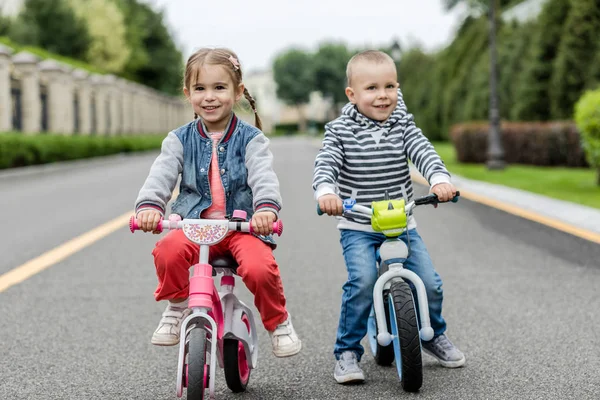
[[257, 30]]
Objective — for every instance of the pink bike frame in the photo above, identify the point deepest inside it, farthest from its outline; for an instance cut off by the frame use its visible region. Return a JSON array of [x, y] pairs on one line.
[[208, 305]]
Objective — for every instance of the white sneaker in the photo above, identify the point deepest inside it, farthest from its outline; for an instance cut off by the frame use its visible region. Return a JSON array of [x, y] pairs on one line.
[[284, 339], [167, 333]]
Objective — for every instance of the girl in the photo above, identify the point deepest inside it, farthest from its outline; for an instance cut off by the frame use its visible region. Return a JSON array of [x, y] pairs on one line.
[[225, 164]]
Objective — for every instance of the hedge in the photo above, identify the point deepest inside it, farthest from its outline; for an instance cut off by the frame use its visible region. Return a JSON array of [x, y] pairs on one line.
[[18, 150], [534, 143]]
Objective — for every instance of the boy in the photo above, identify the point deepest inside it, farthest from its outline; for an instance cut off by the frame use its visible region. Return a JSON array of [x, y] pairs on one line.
[[365, 153]]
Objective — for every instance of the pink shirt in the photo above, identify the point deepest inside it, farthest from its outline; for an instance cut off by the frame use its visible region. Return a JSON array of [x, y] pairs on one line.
[[217, 208]]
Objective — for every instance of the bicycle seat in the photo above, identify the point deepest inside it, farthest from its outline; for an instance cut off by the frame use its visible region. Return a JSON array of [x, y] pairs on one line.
[[224, 262]]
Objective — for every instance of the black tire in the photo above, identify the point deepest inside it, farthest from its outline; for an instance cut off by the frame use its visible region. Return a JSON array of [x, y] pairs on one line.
[[196, 361], [408, 336], [384, 355], [233, 375]]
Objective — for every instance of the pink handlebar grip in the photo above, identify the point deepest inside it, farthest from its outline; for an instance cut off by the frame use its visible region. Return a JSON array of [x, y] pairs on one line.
[[133, 225], [277, 228]]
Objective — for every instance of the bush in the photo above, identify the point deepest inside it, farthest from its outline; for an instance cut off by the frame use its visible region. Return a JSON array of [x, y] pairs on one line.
[[534, 143], [18, 150], [587, 118]]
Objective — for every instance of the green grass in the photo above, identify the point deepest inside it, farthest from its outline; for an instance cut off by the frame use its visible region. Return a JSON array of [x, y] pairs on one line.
[[577, 185], [43, 54]]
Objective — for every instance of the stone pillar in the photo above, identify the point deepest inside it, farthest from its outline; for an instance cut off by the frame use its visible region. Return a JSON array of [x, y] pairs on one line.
[[60, 96], [83, 91], [6, 107], [125, 106], [25, 65], [99, 100], [68, 93], [136, 119], [113, 104]]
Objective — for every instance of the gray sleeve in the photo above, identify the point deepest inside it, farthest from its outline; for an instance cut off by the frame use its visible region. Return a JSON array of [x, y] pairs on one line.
[[419, 149], [329, 161], [161, 180], [261, 177]]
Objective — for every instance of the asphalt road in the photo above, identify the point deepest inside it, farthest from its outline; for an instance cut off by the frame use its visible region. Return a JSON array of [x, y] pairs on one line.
[[521, 300]]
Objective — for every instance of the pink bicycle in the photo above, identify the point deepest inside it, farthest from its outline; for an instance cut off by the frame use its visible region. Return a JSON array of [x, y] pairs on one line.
[[235, 344]]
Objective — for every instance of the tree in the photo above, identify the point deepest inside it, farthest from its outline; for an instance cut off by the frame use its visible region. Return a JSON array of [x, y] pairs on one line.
[[155, 59], [495, 158], [294, 77], [587, 118], [105, 22], [576, 53], [5, 24], [329, 65], [53, 26], [532, 101]]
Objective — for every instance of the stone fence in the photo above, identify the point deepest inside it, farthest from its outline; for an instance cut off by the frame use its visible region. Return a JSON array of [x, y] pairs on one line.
[[38, 96]]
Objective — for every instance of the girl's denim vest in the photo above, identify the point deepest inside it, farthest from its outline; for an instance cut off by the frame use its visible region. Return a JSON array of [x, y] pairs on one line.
[[194, 190]]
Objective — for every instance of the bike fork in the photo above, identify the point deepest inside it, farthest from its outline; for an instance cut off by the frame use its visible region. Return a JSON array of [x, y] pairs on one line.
[[384, 338], [198, 316]]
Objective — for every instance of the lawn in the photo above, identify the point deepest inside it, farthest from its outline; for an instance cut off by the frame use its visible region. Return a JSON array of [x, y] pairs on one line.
[[577, 185]]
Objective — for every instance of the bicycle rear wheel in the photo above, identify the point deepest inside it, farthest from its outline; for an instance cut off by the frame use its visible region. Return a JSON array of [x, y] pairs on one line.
[[405, 331], [235, 363]]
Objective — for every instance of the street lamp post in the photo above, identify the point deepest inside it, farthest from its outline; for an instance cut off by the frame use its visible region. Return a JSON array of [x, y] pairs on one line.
[[495, 155], [396, 51]]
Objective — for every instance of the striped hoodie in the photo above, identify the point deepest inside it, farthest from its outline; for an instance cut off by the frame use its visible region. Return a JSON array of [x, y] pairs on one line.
[[363, 159]]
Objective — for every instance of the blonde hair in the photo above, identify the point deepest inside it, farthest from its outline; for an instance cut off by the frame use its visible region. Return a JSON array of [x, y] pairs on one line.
[[374, 56], [225, 58]]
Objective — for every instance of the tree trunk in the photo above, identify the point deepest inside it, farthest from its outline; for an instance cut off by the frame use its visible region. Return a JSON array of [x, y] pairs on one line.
[[302, 125], [598, 176]]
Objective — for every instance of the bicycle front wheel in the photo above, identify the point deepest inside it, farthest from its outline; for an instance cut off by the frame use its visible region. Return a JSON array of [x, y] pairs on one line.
[[384, 355], [405, 331], [197, 370]]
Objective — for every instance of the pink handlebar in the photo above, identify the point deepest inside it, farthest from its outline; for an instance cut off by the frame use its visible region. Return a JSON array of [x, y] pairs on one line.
[[277, 227], [133, 226]]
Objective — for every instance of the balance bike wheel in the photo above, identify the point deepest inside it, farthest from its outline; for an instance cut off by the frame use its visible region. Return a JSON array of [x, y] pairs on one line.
[[384, 355], [405, 329], [235, 363], [197, 370]]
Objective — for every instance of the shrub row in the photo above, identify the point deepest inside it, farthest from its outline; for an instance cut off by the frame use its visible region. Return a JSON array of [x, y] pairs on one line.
[[18, 150], [535, 143]]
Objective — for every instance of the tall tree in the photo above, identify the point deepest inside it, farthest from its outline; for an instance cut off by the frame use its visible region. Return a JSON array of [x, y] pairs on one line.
[[155, 59], [53, 26], [294, 77], [495, 159], [575, 55], [532, 101], [329, 65], [106, 25]]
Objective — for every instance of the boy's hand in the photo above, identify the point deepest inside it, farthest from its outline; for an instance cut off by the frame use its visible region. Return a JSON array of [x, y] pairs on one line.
[[331, 204], [444, 191], [148, 220], [262, 222]]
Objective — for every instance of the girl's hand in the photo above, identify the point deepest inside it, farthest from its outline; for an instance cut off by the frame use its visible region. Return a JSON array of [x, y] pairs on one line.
[[148, 220], [262, 222], [331, 204], [444, 191]]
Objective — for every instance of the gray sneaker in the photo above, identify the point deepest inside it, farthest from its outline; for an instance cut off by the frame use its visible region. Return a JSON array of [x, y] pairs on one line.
[[442, 349], [347, 369]]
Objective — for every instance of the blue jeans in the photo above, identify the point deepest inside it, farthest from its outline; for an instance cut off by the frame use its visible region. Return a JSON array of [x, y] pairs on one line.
[[360, 253]]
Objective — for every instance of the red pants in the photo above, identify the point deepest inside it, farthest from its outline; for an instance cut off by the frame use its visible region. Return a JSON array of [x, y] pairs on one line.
[[175, 254]]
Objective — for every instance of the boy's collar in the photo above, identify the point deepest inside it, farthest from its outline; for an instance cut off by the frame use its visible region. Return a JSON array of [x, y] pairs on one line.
[[231, 126]]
